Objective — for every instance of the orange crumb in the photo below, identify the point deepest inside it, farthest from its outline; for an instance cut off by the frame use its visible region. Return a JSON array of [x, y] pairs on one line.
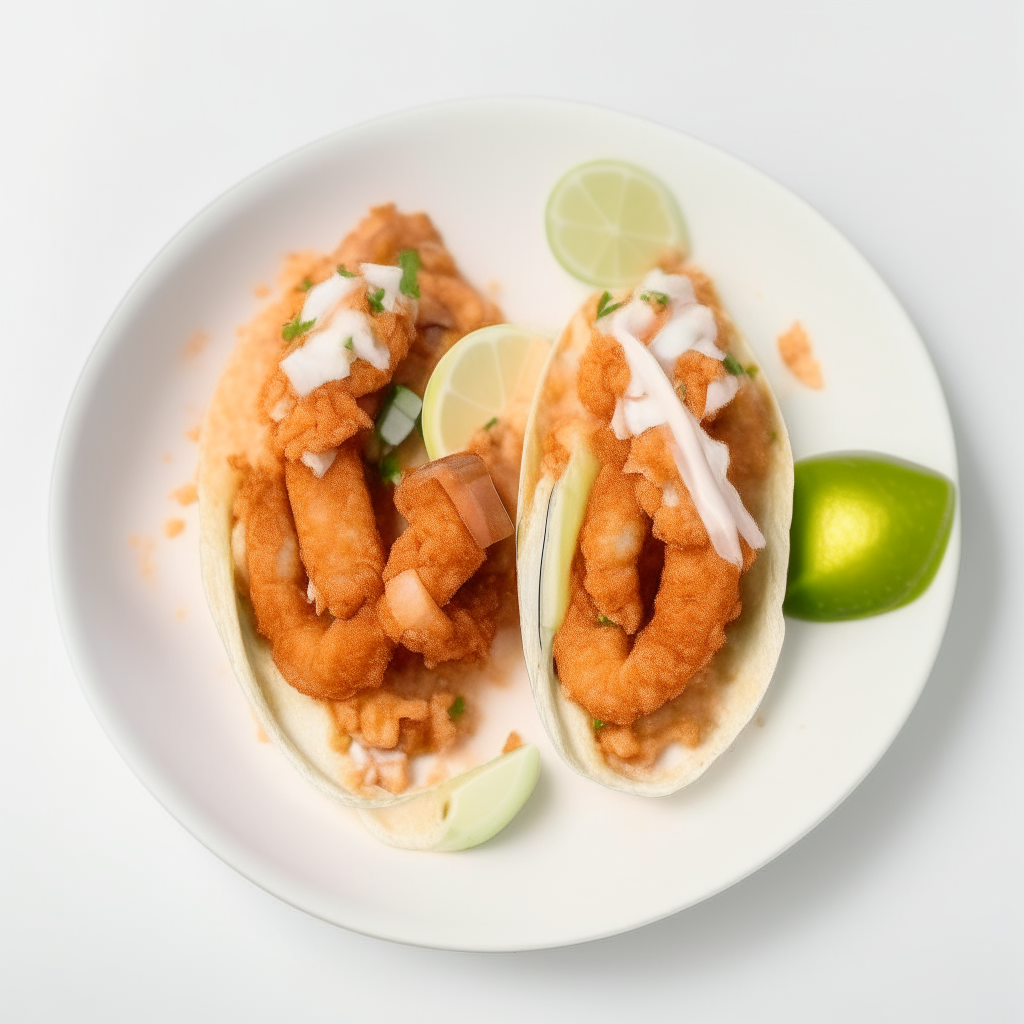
[[181, 613], [261, 734], [186, 494], [514, 742], [493, 290], [172, 527], [193, 433], [195, 344], [166, 457], [145, 547], [261, 291], [797, 354]]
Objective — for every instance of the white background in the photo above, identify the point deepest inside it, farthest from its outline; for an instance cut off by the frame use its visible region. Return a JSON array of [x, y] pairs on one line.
[[900, 122]]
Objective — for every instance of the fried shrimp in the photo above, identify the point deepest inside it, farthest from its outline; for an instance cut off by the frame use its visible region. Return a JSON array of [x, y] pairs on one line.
[[698, 596], [324, 657], [339, 544]]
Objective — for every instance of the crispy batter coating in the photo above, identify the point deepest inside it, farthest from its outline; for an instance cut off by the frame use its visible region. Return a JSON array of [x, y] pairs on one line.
[[618, 682], [612, 537], [339, 544], [692, 374], [324, 657]]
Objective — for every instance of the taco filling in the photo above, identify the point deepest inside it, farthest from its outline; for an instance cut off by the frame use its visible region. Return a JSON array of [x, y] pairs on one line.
[[379, 579], [664, 443]]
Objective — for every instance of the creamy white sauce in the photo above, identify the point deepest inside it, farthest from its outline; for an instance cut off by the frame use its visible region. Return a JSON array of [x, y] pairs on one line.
[[379, 276], [338, 336], [651, 401], [720, 393], [320, 462], [324, 298]]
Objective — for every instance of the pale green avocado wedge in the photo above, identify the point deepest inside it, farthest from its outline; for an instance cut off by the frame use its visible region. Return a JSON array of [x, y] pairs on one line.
[[464, 812], [868, 535]]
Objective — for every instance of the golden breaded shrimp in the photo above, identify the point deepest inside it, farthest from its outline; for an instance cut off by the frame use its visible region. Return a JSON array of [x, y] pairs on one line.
[[321, 656], [692, 374], [617, 680], [339, 543], [612, 537]]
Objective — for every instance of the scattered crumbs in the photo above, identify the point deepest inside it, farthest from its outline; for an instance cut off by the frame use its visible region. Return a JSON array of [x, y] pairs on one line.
[[172, 527], [797, 354], [493, 290], [759, 721], [167, 457], [261, 291], [181, 613], [261, 733], [193, 433], [514, 742], [195, 345], [144, 548], [186, 494]]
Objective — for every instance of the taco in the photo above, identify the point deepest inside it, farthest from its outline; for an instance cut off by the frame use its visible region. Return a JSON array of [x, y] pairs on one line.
[[653, 535], [366, 596]]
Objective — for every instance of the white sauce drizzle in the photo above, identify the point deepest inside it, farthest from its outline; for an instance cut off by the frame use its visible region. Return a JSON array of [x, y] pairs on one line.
[[651, 401], [339, 336], [389, 278]]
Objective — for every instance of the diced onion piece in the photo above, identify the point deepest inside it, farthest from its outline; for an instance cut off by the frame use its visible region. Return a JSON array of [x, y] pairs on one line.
[[322, 299], [398, 415], [380, 276], [412, 606], [466, 481], [320, 462]]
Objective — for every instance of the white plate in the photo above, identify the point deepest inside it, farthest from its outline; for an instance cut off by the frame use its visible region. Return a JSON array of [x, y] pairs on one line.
[[579, 862]]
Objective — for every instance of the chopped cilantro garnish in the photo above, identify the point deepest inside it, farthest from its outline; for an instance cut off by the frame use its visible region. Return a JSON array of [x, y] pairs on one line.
[[295, 327], [598, 724], [409, 261], [681, 390], [376, 300], [751, 371], [490, 423], [659, 297], [349, 343], [732, 365], [305, 284], [603, 620], [344, 272], [390, 470], [457, 708], [605, 305]]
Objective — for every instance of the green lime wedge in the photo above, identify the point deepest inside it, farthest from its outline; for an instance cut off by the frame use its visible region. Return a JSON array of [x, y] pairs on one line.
[[608, 222], [868, 535], [463, 812]]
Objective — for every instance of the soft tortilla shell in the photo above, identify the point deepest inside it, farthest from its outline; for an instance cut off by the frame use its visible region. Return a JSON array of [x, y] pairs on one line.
[[753, 641], [300, 726]]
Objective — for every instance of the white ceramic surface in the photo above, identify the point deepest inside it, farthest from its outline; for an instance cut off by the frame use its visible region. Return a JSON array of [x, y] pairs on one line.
[[579, 862]]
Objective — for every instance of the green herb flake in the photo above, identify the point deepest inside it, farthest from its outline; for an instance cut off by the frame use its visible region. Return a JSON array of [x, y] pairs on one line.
[[305, 284], [409, 261], [390, 469], [681, 390], [659, 297], [598, 724], [732, 365], [751, 371], [349, 343], [376, 300], [419, 423], [605, 305], [344, 272], [490, 423], [457, 708], [295, 327], [603, 620], [772, 435]]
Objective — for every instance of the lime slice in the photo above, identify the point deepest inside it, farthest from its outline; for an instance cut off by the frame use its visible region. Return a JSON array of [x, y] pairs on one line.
[[476, 380], [608, 222], [463, 812], [566, 509], [868, 535]]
